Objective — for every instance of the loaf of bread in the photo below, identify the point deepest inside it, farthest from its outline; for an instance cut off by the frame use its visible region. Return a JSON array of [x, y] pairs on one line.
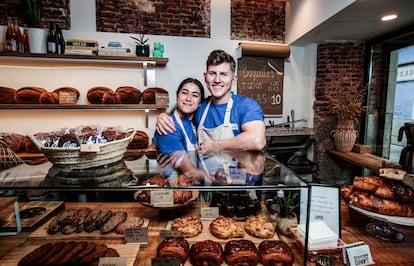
[[28, 95], [139, 141], [49, 98], [129, 95], [111, 98], [95, 94], [206, 252], [148, 95], [70, 90], [275, 252], [7, 95]]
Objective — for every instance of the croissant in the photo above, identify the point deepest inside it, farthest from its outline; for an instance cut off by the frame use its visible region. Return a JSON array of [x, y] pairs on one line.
[[275, 252], [206, 252], [241, 252], [174, 247]]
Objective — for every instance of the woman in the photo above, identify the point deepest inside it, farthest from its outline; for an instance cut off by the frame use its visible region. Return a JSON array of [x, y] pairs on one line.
[[175, 147], [190, 93]]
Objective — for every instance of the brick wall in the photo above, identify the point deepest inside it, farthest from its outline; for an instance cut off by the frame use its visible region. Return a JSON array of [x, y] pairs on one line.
[[260, 20], [340, 70], [170, 18], [57, 11]]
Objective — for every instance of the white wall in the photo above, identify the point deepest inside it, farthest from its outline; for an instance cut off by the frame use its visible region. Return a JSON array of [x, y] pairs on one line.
[[186, 58]]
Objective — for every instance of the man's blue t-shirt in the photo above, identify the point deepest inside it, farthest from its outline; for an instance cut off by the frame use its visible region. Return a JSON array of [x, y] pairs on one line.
[[244, 110], [172, 142]]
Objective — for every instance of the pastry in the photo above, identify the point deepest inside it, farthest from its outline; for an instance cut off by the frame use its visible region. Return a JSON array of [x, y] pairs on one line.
[[206, 252], [148, 95], [49, 98], [174, 247], [129, 95], [223, 227], [275, 252], [182, 196], [189, 226], [36, 255], [28, 95], [7, 95], [259, 227], [95, 94], [139, 141], [130, 222], [367, 183], [241, 252]]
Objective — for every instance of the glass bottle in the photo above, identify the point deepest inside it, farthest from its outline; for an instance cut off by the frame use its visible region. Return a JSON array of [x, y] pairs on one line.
[[52, 39], [11, 35], [277, 205], [60, 40]]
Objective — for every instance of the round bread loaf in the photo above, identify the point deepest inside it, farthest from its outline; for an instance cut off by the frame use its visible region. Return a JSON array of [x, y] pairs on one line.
[[28, 95], [206, 252], [7, 95], [95, 94], [148, 96], [70, 90], [49, 98], [111, 98], [139, 141], [275, 252], [129, 95]]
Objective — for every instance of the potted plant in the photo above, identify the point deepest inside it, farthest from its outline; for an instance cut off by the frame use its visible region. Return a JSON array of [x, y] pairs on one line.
[[287, 215], [142, 49], [347, 108], [37, 36]]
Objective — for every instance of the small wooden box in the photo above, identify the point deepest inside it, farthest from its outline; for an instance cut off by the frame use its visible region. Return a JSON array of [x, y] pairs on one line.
[[361, 148]]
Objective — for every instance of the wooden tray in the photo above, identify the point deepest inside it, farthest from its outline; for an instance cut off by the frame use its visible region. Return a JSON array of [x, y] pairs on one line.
[[41, 233], [130, 251], [206, 234]]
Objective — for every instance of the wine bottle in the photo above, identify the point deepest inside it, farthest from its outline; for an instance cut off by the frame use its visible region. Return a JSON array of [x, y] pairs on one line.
[[52, 39], [60, 40], [11, 36]]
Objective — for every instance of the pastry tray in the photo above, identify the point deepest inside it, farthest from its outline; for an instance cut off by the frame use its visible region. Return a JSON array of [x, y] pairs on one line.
[[206, 234]]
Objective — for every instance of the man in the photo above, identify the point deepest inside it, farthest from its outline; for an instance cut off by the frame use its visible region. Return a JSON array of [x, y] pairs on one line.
[[224, 121]]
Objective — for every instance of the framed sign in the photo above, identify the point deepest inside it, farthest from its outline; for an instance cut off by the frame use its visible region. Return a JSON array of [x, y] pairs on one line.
[[261, 78]]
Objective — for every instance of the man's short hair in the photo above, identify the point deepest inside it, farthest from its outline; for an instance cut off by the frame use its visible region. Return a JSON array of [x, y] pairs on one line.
[[218, 57]]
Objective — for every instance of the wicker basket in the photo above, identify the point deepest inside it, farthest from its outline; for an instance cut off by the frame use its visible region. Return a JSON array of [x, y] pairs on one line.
[[73, 158]]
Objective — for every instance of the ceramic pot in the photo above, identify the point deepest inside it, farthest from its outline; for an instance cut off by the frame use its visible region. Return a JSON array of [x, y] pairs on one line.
[[142, 50], [344, 139], [283, 223], [37, 40]]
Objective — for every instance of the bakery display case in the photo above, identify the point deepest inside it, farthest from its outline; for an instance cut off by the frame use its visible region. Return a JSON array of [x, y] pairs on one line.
[[149, 191]]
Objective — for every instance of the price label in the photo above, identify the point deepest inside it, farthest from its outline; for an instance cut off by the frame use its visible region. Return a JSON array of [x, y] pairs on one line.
[[90, 148], [168, 233], [162, 198], [112, 261], [165, 262], [136, 235], [209, 213], [359, 255]]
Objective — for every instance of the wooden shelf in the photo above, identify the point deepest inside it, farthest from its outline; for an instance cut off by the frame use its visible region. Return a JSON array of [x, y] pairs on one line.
[[84, 58], [366, 160], [85, 106]]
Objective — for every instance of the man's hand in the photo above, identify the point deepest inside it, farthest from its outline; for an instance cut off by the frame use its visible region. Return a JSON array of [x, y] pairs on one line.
[[208, 145], [164, 124]]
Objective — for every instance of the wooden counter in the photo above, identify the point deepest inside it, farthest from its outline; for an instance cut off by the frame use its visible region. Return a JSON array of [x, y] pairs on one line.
[[353, 229]]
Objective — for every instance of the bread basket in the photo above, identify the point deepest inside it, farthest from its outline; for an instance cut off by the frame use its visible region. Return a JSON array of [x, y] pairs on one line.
[[73, 158]]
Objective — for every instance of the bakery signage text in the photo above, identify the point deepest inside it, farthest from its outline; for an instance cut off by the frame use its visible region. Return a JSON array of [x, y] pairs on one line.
[[262, 79]]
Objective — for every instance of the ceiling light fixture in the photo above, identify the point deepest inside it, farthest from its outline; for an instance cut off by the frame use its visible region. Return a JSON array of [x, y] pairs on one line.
[[389, 17]]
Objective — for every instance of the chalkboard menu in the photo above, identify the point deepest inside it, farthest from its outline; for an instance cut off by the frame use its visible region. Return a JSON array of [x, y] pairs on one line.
[[261, 78]]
